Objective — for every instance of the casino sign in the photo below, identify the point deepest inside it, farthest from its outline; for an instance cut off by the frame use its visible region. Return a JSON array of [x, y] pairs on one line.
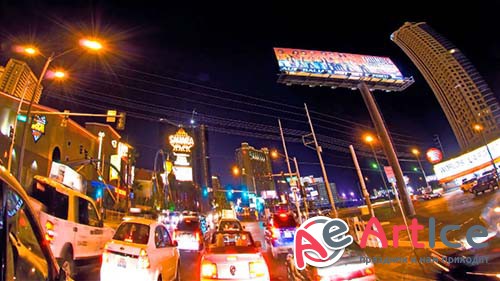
[[181, 142]]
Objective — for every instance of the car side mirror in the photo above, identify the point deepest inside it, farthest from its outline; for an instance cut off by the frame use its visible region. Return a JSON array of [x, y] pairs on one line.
[[258, 244], [175, 243]]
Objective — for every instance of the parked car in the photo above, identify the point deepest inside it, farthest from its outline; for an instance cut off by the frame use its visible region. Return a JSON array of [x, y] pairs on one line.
[[24, 254], [233, 255], [141, 249], [73, 227], [486, 182]]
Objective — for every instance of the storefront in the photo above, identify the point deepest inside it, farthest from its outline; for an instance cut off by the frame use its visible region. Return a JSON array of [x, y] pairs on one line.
[[469, 165]]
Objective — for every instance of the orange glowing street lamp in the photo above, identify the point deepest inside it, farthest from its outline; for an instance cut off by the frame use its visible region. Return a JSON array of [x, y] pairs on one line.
[[415, 151], [369, 139], [236, 171], [93, 45], [274, 154]]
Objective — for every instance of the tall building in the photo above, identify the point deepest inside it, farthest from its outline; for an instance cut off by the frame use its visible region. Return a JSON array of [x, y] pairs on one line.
[[255, 167], [17, 77], [464, 96]]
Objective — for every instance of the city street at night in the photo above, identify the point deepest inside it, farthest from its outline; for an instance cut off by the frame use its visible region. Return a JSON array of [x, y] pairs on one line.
[[287, 141]]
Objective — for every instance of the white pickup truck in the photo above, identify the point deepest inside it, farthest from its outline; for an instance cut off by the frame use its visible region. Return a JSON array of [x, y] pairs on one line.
[[72, 225]]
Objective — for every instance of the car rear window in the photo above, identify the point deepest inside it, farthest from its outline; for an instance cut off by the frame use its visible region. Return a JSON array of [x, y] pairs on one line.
[[55, 203], [188, 225], [132, 232], [284, 220]]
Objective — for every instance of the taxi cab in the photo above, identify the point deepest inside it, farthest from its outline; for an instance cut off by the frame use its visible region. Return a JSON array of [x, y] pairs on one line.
[[233, 255], [141, 249]]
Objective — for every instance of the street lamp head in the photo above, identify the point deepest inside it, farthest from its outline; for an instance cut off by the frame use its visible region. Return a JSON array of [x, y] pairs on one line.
[[478, 127], [274, 154], [415, 151], [59, 74], [91, 44], [236, 171], [30, 50], [369, 139]]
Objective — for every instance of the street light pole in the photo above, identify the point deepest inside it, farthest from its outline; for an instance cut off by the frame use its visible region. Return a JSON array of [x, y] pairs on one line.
[[11, 148], [300, 187], [297, 204], [318, 150], [362, 181], [28, 121], [381, 174], [417, 155]]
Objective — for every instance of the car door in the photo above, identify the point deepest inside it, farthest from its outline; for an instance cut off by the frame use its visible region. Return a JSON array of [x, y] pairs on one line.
[[84, 246], [165, 252], [25, 256]]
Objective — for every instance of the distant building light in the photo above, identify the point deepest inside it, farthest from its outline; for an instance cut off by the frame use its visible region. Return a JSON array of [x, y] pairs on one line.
[[452, 51]]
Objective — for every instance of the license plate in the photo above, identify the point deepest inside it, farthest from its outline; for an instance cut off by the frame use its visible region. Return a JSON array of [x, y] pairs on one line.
[[122, 263], [288, 234]]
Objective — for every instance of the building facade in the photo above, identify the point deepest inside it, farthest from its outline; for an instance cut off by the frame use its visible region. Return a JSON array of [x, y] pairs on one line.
[[462, 93], [255, 167], [17, 79]]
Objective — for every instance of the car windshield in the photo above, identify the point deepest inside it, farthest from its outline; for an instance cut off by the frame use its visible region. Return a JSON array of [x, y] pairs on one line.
[[284, 220], [132, 232], [232, 241], [230, 225], [189, 225]]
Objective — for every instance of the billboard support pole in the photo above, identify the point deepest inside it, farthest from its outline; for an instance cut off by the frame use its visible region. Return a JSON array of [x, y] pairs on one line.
[[388, 147], [318, 150]]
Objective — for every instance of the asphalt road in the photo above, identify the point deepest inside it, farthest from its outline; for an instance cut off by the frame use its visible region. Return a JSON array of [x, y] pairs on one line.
[[190, 260], [453, 208]]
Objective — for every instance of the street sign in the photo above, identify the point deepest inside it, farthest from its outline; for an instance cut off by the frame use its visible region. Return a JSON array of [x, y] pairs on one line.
[[22, 118], [390, 174], [111, 116]]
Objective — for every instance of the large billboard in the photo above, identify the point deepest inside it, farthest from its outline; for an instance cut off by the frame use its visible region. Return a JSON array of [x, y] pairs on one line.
[[468, 163], [331, 64]]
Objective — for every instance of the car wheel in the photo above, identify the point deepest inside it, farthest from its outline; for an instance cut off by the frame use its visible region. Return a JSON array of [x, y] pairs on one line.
[[68, 264]]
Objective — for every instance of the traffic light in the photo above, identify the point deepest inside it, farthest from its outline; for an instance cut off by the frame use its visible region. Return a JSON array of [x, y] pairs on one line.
[[64, 121], [120, 125]]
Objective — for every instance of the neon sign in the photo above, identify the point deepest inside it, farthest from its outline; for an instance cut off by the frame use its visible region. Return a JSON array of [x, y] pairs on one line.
[[38, 127], [181, 141]]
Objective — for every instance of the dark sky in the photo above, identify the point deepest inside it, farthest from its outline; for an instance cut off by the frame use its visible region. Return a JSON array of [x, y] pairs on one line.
[[175, 58]]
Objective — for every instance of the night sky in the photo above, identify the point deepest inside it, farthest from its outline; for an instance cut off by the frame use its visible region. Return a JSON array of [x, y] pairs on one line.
[[166, 59]]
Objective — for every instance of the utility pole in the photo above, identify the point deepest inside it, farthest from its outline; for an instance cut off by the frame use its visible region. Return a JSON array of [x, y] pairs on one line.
[[362, 181], [300, 187], [297, 204], [386, 142], [437, 141], [318, 150]]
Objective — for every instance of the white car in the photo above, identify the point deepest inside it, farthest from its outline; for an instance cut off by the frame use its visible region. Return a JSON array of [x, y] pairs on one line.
[[73, 227], [229, 224], [233, 255], [188, 234], [141, 249]]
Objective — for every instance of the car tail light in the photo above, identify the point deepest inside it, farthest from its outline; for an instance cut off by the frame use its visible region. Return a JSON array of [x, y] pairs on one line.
[[105, 254], [208, 270], [49, 231], [258, 268], [275, 232], [143, 259]]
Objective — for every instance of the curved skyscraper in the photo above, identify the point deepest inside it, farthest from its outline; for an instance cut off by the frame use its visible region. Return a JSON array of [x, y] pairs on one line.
[[464, 96]]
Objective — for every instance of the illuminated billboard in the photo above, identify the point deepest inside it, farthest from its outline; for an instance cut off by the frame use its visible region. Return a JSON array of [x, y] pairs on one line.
[[67, 176], [183, 173], [338, 69], [468, 163]]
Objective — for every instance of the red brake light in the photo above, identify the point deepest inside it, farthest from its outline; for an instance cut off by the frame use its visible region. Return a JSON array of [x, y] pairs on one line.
[[208, 270], [143, 259], [49, 231]]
